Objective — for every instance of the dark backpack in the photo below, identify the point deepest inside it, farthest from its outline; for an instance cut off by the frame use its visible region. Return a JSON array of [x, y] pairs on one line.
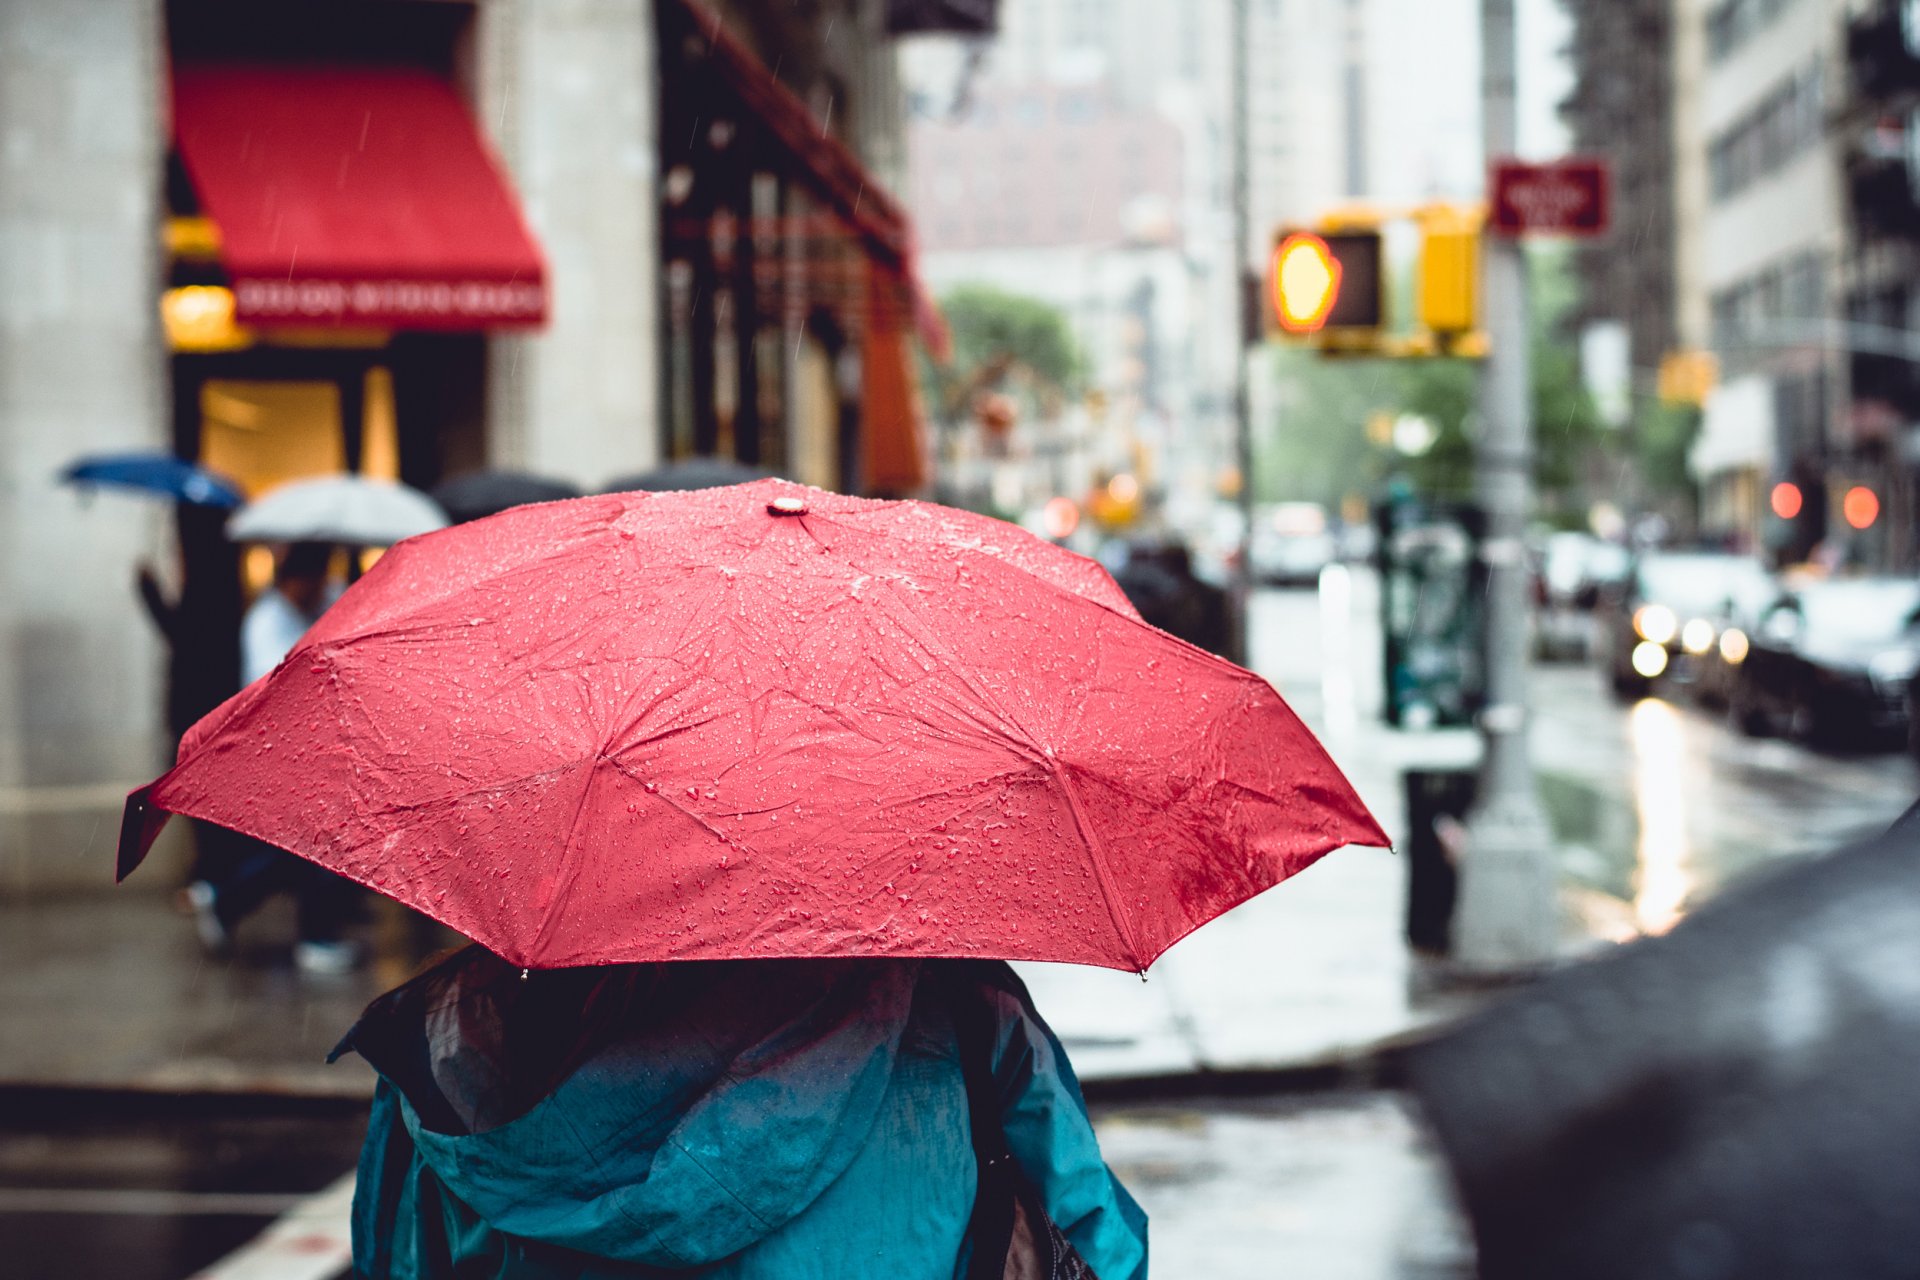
[[1014, 1237]]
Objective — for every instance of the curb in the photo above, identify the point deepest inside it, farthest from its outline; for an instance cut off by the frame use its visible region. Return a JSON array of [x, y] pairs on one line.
[[1374, 1066]]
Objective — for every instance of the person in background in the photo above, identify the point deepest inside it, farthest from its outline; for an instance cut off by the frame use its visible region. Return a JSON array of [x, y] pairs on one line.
[[220, 898], [200, 624]]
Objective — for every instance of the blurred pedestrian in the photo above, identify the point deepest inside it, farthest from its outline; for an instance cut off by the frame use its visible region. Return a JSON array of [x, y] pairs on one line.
[[200, 624], [226, 891], [730, 1119], [1157, 577]]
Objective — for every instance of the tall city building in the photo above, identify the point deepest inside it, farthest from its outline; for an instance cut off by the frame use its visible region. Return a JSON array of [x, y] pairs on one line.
[[1767, 248], [1347, 100], [1622, 108]]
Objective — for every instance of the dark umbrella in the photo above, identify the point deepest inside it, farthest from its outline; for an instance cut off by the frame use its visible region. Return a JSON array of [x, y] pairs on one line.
[[1735, 1098], [480, 494], [156, 473], [689, 473]]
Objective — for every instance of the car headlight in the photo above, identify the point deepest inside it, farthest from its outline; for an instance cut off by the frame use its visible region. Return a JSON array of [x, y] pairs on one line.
[[1655, 622], [1697, 636], [1734, 646], [1649, 658]]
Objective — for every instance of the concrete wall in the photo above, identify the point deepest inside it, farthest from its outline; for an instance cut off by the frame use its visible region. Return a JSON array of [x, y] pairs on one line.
[[567, 92], [81, 369]]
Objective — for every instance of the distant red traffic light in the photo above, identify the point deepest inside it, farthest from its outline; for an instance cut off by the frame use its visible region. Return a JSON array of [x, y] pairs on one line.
[[1787, 500], [1861, 507]]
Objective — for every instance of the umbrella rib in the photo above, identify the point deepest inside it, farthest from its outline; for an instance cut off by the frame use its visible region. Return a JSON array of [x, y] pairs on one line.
[[569, 864], [1097, 851]]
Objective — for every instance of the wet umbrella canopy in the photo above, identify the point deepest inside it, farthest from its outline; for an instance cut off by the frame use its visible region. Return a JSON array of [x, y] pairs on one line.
[[765, 721], [341, 508], [156, 473]]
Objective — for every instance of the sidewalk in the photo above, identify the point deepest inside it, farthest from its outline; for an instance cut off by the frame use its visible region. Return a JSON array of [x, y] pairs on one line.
[[1311, 975]]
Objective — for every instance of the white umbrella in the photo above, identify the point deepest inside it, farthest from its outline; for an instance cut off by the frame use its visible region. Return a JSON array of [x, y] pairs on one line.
[[351, 509]]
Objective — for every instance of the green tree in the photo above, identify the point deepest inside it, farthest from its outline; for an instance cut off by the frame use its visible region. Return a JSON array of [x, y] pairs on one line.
[[1000, 336], [1318, 448]]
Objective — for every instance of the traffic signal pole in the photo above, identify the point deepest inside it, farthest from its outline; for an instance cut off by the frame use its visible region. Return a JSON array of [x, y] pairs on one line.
[[1245, 332], [1508, 913]]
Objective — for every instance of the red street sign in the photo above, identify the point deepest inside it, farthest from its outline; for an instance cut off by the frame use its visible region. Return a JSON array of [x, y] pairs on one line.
[[1566, 197]]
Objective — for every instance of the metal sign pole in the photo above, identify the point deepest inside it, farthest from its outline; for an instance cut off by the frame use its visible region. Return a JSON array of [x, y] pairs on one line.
[[1509, 884], [1245, 331]]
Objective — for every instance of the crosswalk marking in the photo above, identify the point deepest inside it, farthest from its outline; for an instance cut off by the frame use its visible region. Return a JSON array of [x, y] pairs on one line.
[[311, 1241]]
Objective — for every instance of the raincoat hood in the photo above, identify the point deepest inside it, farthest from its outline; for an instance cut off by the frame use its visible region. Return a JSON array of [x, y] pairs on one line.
[[636, 1155]]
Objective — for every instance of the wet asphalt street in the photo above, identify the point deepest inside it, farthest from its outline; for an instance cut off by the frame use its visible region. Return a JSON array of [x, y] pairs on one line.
[[1336, 1186], [155, 1188], [1657, 806]]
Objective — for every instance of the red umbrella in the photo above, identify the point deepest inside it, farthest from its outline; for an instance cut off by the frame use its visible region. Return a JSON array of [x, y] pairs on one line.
[[765, 721]]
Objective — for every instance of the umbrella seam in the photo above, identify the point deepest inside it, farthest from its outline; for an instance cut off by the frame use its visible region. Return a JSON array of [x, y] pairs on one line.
[[993, 558], [569, 870], [929, 639], [1097, 851]]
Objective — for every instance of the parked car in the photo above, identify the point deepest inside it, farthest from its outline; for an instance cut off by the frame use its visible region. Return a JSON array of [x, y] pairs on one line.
[[1833, 663], [1292, 544], [1669, 614], [1570, 571]]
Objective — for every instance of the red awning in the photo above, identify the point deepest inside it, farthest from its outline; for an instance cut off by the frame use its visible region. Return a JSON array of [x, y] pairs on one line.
[[355, 196]]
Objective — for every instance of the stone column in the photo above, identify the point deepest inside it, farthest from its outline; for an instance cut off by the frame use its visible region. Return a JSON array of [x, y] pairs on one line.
[[81, 370], [567, 90]]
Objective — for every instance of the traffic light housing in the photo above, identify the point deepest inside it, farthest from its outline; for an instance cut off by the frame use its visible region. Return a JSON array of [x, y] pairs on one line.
[[1447, 297], [1361, 304], [1329, 283]]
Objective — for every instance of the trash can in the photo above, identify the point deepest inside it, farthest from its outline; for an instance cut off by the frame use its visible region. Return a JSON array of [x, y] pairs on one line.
[[1437, 805]]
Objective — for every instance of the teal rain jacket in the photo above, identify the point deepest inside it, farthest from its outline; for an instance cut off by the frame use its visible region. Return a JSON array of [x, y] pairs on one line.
[[753, 1119]]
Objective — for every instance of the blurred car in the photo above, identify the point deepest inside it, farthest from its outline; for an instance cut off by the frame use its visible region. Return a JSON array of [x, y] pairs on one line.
[[1716, 670], [1668, 615], [1832, 663], [1358, 543], [1291, 545], [1571, 570], [1215, 544]]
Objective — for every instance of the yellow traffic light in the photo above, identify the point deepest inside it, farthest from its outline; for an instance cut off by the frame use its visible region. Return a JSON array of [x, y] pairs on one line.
[[1688, 377], [1305, 282], [1448, 294]]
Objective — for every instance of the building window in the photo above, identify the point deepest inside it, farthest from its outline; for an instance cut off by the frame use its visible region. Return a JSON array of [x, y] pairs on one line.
[[1786, 123], [1793, 290], [1731, 23]]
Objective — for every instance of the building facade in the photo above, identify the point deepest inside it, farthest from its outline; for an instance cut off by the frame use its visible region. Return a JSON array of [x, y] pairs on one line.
[[252, 271], [1877, 127], [1773, 239], [1622, 107]]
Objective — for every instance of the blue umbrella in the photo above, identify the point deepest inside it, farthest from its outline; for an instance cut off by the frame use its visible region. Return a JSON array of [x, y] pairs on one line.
[[156, 473]]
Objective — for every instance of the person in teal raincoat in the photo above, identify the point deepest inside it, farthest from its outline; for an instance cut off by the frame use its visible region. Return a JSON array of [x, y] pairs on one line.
[[722, 1120]]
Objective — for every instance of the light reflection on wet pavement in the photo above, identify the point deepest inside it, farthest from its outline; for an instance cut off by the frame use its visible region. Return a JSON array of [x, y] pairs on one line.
[[1657, 805], [1333, 1186], [1662, 804]]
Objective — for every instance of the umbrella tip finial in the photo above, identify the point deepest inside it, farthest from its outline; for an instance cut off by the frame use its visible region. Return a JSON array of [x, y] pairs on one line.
[[787, 506], [524, 974]]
